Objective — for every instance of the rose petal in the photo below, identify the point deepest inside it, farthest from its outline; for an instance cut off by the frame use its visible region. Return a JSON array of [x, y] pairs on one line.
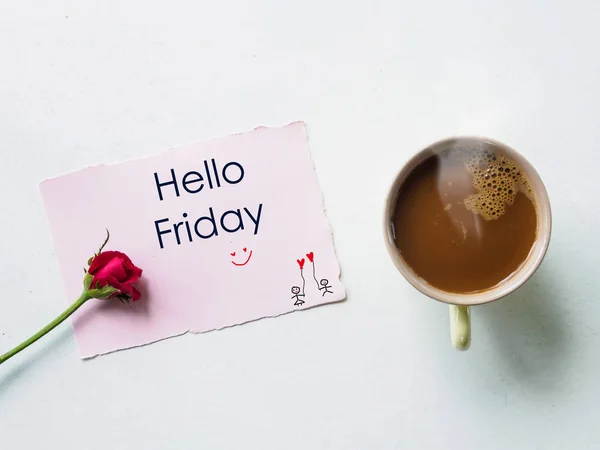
[[136, 295], [113, 268], [124, 288], [133, 274], [103, 258], [99, 261]]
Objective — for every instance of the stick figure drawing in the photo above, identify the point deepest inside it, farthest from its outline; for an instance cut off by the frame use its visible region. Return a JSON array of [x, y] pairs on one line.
[[323, 284], [299, 294]]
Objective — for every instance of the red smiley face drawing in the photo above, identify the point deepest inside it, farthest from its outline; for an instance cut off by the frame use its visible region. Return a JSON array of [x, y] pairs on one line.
[[244, 263]]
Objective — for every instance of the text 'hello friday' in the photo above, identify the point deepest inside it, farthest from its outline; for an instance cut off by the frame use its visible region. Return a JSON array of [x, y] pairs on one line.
[[208, 225]]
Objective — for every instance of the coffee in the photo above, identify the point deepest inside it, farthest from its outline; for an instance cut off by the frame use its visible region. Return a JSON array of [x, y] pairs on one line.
[[465, 218]]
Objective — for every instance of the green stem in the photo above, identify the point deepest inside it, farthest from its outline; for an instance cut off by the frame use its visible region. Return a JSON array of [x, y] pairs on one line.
[[84, 297]]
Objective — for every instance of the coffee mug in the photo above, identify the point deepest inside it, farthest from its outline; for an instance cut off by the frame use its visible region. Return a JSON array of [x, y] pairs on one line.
[[460, 314]]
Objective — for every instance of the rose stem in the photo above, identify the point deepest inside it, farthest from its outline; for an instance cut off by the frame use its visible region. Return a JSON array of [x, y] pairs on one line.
[[84, 297]]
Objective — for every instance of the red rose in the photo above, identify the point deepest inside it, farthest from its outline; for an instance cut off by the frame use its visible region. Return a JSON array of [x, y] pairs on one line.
[[115, 269], [111, 274]]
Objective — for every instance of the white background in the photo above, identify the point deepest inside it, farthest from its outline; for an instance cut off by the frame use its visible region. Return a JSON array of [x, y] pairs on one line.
[[103, 81]]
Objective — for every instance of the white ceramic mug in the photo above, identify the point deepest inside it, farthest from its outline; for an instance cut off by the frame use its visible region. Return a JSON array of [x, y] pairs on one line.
[[460, 315]]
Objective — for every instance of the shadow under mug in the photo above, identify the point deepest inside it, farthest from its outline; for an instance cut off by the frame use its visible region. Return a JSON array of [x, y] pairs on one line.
[[460, 319]]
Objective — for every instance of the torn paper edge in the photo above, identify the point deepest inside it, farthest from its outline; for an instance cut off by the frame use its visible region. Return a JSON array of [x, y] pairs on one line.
[[190, 331]]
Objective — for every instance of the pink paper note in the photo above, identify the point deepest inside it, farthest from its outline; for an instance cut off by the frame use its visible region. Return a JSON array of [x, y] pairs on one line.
[[226, 231]]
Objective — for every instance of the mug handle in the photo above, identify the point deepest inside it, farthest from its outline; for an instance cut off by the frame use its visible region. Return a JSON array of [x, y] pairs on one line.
[[460, 326]]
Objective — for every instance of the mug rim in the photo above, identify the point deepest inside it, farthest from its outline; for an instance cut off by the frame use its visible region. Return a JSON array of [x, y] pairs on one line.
[[515, 280]]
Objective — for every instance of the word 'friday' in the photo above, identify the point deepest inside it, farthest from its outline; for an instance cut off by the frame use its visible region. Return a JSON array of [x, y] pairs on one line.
[[207, 226]]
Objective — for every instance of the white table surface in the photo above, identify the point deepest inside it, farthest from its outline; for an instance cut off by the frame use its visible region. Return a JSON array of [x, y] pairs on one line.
[[103, 81]]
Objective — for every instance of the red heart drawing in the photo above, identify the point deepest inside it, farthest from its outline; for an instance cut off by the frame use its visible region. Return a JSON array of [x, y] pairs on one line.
[[310, 256], [244, 248], [232, 254], [301, 263]]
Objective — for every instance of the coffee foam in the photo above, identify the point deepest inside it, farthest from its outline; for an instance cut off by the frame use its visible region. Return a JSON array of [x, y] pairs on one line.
[[497, 179]]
